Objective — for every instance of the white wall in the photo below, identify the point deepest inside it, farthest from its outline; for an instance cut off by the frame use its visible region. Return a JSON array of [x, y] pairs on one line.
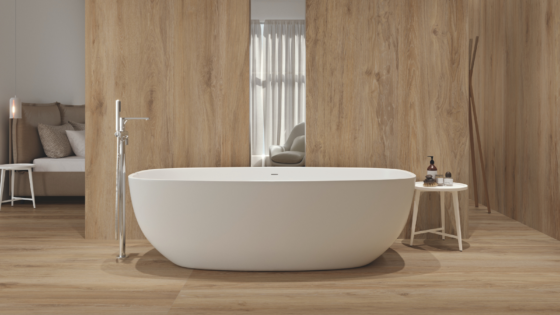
[[50, 42], [7, 70], [277, 10]]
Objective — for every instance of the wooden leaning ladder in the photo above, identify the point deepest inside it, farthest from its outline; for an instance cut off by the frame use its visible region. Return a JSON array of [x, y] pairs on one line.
[[472, 112]]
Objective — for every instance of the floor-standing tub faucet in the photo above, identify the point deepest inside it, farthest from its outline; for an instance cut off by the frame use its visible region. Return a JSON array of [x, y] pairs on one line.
[[120, 206]]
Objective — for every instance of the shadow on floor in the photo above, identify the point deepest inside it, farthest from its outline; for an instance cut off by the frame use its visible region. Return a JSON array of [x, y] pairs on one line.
[[387, 265], [150, 264], [449, 244], [81, 230], [75, 200]]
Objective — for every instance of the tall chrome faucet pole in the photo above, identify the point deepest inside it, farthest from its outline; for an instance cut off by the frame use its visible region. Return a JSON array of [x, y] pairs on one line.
[[118, 184], [120, 203]]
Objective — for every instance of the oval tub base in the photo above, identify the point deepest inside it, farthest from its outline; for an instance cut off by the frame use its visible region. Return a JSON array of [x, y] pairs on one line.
[[281, 219]]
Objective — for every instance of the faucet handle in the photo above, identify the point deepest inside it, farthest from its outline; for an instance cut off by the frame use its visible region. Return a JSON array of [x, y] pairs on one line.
[[126, 119], [136, 118]]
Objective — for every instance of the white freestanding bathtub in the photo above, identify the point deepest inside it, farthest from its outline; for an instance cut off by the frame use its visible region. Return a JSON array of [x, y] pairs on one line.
[[272, 219]]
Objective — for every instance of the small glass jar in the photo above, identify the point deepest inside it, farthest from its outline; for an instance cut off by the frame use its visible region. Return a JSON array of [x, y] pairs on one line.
[[439, 179], [448, 181]]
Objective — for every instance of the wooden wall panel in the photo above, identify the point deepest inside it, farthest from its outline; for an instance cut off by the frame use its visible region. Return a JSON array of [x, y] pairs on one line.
[[387, 86], [517, 92], [184, 64]]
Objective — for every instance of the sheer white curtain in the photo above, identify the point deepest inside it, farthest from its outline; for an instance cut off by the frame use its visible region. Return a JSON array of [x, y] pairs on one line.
[[277, 82], [256, 88]]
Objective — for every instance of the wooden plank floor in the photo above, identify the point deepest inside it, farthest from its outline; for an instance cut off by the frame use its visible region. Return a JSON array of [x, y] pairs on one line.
[[47, 267]]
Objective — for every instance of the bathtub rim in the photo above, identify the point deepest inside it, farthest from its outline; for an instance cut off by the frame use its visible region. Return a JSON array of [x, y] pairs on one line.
[[134, 176]]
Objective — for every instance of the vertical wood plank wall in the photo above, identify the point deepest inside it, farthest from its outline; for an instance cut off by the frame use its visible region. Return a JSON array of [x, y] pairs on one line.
[[517, 92], [387, 86], [184, 64]]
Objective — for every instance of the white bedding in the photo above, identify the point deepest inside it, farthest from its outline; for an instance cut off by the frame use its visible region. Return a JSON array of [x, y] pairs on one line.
[[66, 164]]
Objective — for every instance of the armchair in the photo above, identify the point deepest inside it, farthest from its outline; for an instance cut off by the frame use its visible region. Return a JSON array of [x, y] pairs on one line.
[[291, 153]]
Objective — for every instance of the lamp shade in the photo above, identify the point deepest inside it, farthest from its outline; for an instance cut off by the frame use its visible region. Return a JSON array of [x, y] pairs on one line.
[[15, 108]]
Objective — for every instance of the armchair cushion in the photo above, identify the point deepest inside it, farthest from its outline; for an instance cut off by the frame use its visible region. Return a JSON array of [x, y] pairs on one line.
[[298, 130], [288, 157], [275, 149], [298, 144]]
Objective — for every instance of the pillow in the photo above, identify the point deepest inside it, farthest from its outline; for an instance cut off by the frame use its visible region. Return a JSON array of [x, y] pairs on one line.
[[298, 144], [72, 112], [288, 157], [77, 140], [26, 143], [77, 125], [54, 140]]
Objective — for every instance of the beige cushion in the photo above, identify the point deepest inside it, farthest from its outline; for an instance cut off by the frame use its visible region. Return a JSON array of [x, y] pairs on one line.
[[75, 113], [288, 157], [26, 142], [55, 141], [77, 126], [298, 144], [77, 140]]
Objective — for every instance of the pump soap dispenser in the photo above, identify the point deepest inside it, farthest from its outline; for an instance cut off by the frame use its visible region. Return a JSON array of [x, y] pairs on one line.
[[432, 169]]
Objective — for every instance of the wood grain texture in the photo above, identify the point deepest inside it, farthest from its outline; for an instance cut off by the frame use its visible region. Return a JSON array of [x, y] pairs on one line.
[[516, 84], [387, 85], [49, 268], [184, 64]]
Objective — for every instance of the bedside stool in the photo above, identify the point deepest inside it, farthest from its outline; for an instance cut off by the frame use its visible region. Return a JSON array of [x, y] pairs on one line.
[[14, 168], [419, 188]]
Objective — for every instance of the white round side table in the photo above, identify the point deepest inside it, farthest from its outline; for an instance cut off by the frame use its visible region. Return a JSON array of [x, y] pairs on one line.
[[419, 188], [14, 168]]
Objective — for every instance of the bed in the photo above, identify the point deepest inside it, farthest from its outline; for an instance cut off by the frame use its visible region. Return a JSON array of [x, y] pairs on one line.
[[51, 177]]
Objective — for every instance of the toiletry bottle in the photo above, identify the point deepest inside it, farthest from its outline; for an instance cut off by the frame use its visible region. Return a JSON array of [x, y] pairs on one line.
[[448, 181], [432, 169]]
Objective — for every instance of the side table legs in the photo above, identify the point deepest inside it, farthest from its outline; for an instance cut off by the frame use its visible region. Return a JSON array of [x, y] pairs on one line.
[[442, 207], [12, 186], [31, 186], [457, 219], [13, 176], [414, 215], [441, 230], [2, 187]]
